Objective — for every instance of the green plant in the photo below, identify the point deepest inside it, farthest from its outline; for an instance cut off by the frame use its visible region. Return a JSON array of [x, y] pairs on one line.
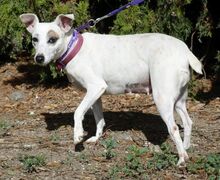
[[12, 32], [30, 162], [167, 17], [113, 172], [50, 73], [171, 18], [162, 160], [109, 145], [136, 19], [133, 165], [83, 158], [82, 14], [55, 137], [69, 159], [210, 164], [4, 126], [204, 25]]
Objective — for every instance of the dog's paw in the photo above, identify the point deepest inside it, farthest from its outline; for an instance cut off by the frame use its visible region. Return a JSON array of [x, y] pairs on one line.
[[182, 160], [181, 163], [92, 139], [78, 137]]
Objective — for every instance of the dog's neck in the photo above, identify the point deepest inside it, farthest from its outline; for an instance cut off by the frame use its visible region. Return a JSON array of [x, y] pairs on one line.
[[68, 37], [72, 46]]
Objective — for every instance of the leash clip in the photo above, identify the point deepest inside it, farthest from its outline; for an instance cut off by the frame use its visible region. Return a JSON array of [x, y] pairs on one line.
[[92, 22]]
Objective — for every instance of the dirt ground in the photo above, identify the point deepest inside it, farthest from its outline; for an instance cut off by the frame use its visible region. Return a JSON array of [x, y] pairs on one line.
[[39, 122]]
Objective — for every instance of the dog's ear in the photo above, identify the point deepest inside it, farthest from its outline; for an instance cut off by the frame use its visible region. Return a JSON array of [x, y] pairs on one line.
[[30, 20], [64, 21]]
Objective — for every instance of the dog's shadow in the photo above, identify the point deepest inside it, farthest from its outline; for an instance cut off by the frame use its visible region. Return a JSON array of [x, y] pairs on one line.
[[151, 125]]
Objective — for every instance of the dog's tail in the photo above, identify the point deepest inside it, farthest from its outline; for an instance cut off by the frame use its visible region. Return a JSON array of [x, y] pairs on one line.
[[195, 64]]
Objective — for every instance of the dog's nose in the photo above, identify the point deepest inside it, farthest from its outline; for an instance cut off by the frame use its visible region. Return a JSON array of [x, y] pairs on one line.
[[40, 58]]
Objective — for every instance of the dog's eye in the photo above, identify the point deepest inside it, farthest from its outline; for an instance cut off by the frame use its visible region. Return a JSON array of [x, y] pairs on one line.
[[35, 39], [52, 40]]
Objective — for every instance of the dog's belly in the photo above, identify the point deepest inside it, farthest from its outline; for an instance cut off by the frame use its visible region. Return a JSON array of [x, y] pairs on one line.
[[138, 88], [134, 79], [144, 87]]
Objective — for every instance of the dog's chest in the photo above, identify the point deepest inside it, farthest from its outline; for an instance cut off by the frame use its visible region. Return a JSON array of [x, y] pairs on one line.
[[74, 82]]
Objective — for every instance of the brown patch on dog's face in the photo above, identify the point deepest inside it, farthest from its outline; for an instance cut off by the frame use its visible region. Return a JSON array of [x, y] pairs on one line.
[[52, 37], [53, 34]]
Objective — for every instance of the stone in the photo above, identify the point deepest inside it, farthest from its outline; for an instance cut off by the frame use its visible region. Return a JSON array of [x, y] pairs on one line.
[[17, 95]]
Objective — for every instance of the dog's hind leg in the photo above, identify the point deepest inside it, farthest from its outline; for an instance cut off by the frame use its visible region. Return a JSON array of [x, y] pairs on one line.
[[165, 105], [99, 119], [180, 108]]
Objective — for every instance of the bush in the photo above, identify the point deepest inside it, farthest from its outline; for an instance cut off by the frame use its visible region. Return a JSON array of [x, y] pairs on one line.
[[11, 29], [166, 17]]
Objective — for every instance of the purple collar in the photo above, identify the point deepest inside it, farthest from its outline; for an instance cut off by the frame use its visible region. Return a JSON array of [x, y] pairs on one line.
[[71, 51]]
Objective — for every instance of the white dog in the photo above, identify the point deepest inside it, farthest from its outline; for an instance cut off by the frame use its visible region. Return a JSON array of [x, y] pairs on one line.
[[140, 63]]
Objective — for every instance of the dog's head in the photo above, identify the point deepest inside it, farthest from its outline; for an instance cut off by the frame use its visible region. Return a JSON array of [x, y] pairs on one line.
[[48, 38]]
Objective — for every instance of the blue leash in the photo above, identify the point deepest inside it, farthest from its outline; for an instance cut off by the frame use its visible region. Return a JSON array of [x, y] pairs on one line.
[[93, 22]]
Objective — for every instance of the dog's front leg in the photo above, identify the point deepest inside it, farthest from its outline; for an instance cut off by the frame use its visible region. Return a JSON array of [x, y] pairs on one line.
[[99, 119], [94, 92]]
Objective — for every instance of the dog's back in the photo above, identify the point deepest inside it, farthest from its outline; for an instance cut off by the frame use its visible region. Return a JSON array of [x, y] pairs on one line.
[[123, 61]]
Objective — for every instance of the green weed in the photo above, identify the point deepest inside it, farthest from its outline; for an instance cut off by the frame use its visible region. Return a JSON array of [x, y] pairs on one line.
[[69, 159], [83, 158], [109, 145], [113, 172], [210, 164], [4, 126], [133, 164], [162, 160], [30, 162], [54, 137]]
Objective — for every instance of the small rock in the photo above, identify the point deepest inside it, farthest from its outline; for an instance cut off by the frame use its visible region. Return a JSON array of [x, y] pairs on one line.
[[123, 136], [153, 148], [8, 73], [54, 164], [29, 146], [31, 113], [17, 95]]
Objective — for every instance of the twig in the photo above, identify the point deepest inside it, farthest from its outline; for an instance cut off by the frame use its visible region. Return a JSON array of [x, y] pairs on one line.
[[192, 37]]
